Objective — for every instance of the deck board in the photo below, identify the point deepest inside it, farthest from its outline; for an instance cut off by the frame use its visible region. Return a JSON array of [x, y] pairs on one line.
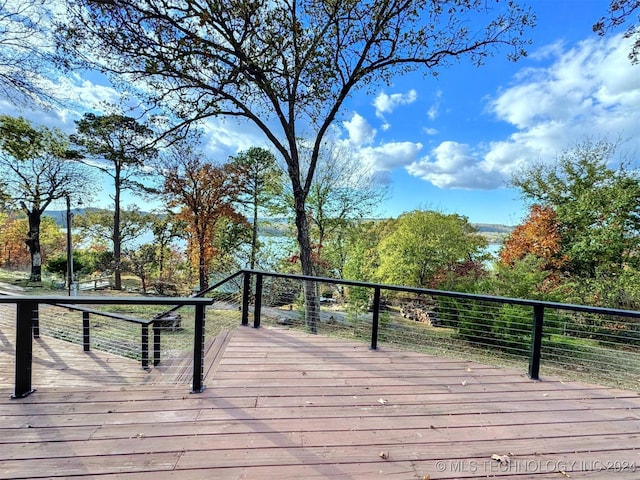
[[284, 404]]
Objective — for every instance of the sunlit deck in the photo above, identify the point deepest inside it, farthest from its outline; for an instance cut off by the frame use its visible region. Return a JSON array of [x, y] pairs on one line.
[[288, 405]]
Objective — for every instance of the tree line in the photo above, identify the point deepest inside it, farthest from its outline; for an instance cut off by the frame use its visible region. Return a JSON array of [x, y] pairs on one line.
[[214, 208], [580, 242], [287, 67]]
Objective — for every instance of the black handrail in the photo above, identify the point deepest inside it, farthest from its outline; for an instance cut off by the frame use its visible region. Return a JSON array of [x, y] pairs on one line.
[[28, 309], [537, 306], [202, 293], [144, 331], [26, 320], [445, 293]]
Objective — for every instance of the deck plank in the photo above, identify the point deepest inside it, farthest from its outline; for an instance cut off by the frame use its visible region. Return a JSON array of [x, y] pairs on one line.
[[288, 405]]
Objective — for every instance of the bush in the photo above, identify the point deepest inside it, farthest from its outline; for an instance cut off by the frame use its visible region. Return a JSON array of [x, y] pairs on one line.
[[58, 264]]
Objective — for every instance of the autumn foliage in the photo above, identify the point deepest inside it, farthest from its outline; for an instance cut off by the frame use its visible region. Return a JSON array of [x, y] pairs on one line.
[[205, 195], [13, 251], [539, 236]]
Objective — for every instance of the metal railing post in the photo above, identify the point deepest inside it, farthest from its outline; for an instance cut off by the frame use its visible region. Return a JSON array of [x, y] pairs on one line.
[[258, 306], [536, 342], [246, 294], [86, 332], [36, 321], [144, 345], [376, 318], [26, 313], [198, 350], [156, 344]]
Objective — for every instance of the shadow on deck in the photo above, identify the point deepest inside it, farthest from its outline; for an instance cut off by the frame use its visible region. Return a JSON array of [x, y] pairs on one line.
[[284, 404]]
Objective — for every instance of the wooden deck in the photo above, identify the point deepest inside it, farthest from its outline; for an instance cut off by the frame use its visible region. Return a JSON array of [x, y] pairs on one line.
[[287, 405]]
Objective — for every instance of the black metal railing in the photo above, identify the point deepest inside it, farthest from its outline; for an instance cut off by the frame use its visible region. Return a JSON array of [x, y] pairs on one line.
[[572, 337], [564, 337], [144, 331], [28, 326]]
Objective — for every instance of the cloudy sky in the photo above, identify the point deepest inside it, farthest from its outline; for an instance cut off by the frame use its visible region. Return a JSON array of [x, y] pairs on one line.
[[452, 142]]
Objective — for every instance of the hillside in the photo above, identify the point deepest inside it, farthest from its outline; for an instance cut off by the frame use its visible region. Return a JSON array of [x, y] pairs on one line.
[[494, 233], [277, 227]]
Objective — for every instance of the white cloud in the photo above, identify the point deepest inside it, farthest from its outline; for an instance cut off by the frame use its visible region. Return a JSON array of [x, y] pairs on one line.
[[387, 103], [588, 91], [379, 158], [360, 131], [591, 85], [391, 155], [81, 91], [434, 110], [454, 165], [223, 138]]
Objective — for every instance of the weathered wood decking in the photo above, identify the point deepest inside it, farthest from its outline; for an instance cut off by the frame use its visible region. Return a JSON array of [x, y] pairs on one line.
[[287, 405]]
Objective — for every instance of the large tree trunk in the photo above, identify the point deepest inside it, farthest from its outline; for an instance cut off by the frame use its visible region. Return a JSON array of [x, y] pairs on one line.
[[203, 277], [117, 242], [117, 254], [202, 270], [254, 234], [33, 242], [311, 303]]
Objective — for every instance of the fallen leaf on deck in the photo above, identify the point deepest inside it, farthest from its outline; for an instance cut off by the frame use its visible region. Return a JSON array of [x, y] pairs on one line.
[[503, 459]]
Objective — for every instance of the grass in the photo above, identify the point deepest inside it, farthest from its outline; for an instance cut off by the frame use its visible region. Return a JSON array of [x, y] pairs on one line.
[[124, 338], [566, 357], [612, 364]]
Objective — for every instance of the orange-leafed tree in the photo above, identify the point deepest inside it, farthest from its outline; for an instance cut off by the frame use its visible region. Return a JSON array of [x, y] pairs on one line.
[[206, 196], [14, 252], [539, 236]]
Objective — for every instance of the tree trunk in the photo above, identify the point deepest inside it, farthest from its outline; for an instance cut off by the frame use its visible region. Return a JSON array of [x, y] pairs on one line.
[[202, 271], [311, 304], [161, 263], [254, 234], [33, 242], [117, 254]]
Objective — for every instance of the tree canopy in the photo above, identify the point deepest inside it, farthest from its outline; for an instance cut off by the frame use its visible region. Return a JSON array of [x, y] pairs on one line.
[[25, 51], [38, 169], [597, 206], [618, 14], [285, 66], [538, 235], [422, 243], [260, 180], [119, 146], [205, 196]]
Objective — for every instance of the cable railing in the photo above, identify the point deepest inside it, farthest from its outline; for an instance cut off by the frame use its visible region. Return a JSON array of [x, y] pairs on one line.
[[599, 345], [580, 342], [54, 316]]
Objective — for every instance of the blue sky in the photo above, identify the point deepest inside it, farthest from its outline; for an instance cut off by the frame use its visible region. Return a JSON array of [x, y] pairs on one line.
[[467, 130], [451, 142]]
